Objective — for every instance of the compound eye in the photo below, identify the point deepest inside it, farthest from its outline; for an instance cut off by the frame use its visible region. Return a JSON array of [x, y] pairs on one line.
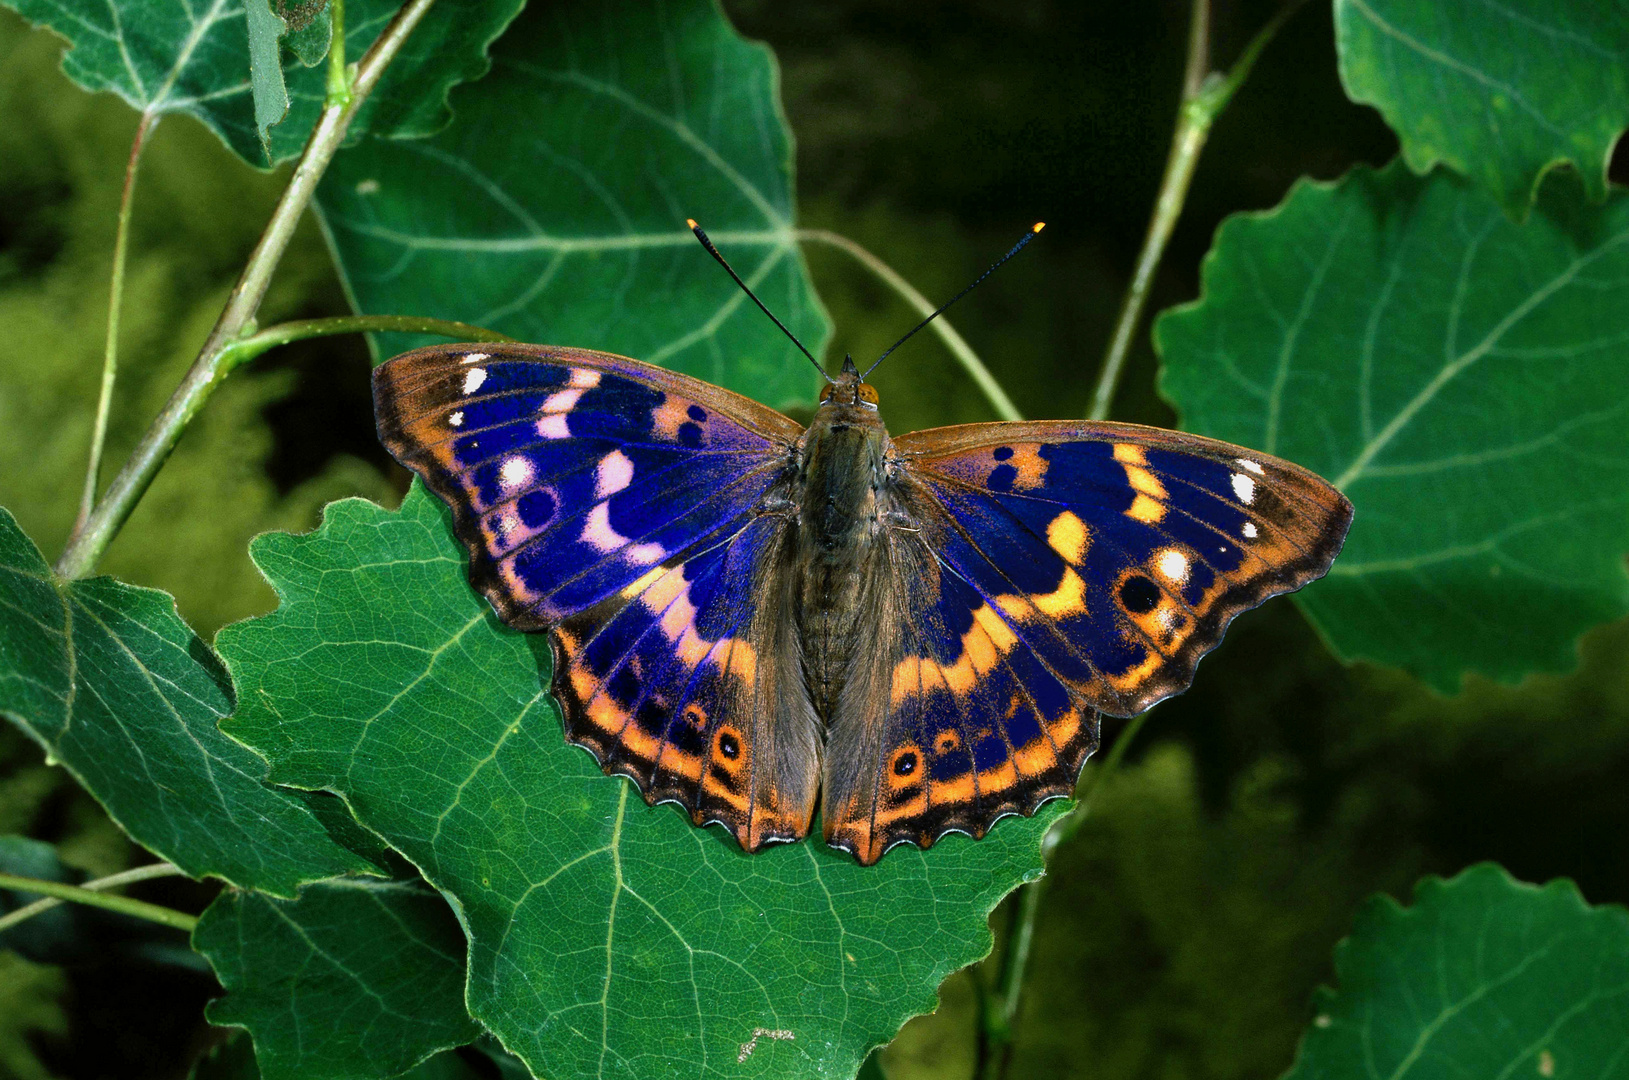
[[867, 393], [825, 392]]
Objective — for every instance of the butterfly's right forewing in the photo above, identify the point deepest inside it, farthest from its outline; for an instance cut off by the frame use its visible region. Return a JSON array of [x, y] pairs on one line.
[[628, 510]]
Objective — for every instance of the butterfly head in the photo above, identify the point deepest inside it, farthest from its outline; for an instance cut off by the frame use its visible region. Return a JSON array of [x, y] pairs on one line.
[[849, 389]]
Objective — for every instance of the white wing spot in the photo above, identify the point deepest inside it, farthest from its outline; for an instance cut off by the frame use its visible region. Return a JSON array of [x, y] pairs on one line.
[[599, 533], [1252, 466], [516, 472], [1173, 565], [456, 419], [1244, 488], [583, 378], [1249, 530], [614, 473], [554, 410], [473, 378], [474, 358]]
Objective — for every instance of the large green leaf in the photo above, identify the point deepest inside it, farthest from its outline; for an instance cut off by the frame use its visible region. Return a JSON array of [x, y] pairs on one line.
[[116, 688], [166, 57], [235, 1060], [355, 978], [1484, 976], [554, 207], [606, 937], [1500, 92], [1463, 379]]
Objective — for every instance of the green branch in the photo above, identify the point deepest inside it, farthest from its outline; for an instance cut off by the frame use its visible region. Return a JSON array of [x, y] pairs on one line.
[[87, 544], [90, 894], [112, 881], [339, 77], [115, 302], [242, 351], [959, 348], [1204, 96]]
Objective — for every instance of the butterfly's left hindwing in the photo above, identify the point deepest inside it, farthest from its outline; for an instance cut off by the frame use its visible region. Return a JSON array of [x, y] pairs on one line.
[[619, 506]]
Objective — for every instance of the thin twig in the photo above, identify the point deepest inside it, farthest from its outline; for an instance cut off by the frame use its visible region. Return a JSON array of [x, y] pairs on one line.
[[81, 894], [86, 545], [1203, 99], [245, 349], [115, 303], [959, 348], [112, 881]]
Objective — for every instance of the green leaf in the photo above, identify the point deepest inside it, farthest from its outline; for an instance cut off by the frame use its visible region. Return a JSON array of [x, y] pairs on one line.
[[1499, 92], [554, 207], [235, 1060], [108, 679], [266, 84], [1463, 379], [606, 937], [1483, 976], [354, 978], [191, 58], [310, 30]]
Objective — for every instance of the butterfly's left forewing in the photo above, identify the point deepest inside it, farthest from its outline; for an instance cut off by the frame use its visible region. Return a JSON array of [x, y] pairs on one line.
[[622, 508], [1062, 569]]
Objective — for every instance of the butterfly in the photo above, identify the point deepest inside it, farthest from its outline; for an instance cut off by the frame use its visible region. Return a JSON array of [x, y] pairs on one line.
[[751, 618]]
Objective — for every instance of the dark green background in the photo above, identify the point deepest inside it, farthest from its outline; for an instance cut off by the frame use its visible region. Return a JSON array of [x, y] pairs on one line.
[[1189, 921]]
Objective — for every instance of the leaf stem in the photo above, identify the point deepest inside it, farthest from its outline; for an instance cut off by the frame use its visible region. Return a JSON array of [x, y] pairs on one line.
[[958, 346], [91, 894], [339, 81], [87, 544], [110, 352], [112, 881], [1204, 96], [246, 349]]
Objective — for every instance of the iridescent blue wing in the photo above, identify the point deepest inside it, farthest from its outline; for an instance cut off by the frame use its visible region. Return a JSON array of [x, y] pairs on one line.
[[632, 512], [1056, 569]]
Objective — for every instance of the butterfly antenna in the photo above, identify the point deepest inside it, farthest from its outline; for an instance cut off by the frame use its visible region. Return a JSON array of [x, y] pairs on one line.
[[713, 251], [1016, 248]]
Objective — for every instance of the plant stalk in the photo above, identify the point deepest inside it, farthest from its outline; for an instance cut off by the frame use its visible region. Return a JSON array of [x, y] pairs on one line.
[[339, 81], [112, 881], [1204, 96], [115, 303], [87, 544], [246, 349], [83, 894], [958, 346]]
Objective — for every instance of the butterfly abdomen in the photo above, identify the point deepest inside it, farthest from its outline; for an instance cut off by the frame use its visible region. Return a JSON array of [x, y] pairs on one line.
[[843, 457]]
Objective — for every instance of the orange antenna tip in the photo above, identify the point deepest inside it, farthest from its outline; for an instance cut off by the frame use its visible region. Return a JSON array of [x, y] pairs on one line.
[[690, 221], [1039, 225]]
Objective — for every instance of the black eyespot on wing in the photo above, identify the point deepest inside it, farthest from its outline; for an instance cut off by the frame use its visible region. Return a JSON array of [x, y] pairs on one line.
[[905, 765], [729, 746], [1139, 595]]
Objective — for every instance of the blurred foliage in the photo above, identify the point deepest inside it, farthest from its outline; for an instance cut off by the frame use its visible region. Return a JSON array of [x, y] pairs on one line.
[[1190, 919], [197, 214]]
